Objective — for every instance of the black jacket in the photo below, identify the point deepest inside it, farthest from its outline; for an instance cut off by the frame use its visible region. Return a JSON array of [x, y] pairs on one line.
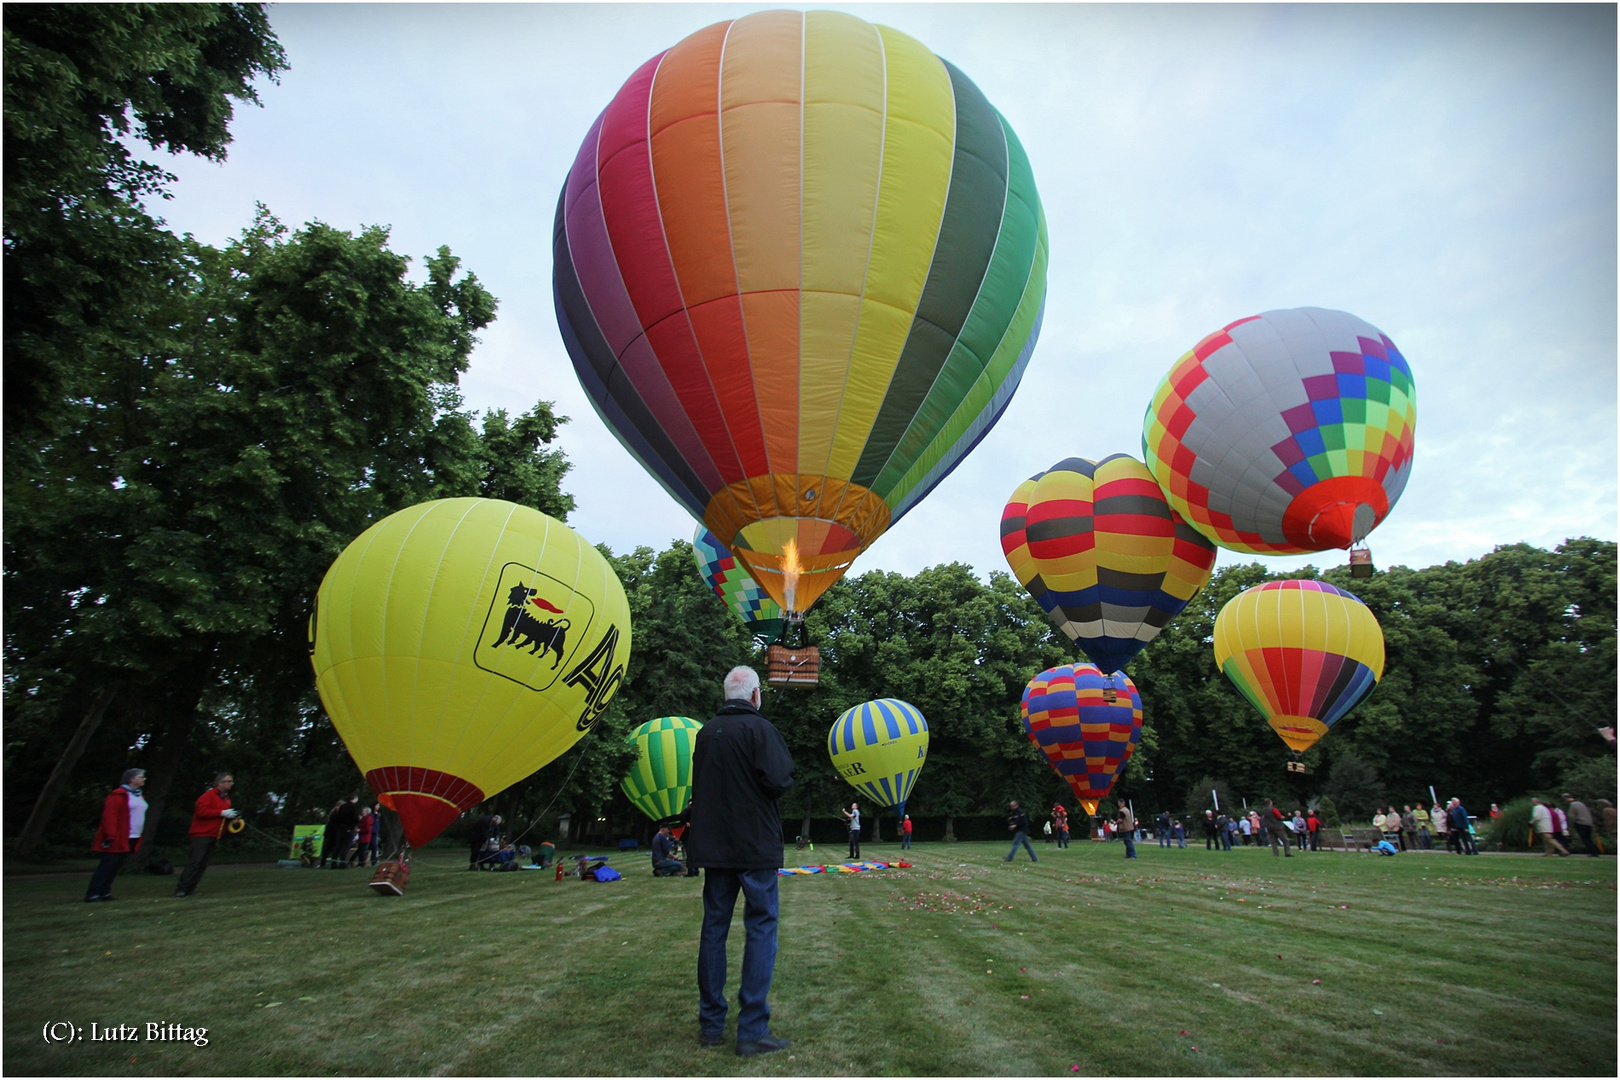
[[740, 768], [1019, 820]]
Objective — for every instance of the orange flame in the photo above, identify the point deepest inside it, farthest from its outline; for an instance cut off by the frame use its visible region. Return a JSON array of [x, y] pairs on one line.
[[791, 569]]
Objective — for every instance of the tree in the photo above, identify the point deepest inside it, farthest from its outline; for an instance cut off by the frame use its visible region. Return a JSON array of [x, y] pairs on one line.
[[1354, 787]]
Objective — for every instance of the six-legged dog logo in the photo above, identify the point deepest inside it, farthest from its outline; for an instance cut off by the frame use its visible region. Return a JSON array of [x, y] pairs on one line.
[[534, 626]]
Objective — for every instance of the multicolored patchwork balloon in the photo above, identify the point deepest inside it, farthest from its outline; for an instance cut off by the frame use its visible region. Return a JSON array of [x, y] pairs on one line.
[[1284, 433], [1303, 652], [1101, 551], [800, 266], [461, 644], [660, 782], [1086, 737], [733, 585], [879, 747]]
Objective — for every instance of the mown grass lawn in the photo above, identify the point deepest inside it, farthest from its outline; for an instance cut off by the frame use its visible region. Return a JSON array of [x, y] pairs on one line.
[[1183, 962]]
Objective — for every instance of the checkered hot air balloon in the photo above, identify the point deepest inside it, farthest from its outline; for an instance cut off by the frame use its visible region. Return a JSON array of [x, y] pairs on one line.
[[735, 587], [879, 747], [660, 782], [1101, 551], [799, 265], [1284, 433], [1086, 737], [1303, 652]]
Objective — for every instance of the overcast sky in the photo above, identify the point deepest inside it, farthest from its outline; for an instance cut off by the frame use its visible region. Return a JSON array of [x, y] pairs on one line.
[[1446, 173]]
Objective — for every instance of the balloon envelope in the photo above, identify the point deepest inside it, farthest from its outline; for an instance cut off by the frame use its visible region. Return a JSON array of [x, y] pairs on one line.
[[799, 265], [1085, 737], [460, 645], [732, 583], [879, 747], [1103, 554], [1284, 433], [1303, 652], [660, 782]]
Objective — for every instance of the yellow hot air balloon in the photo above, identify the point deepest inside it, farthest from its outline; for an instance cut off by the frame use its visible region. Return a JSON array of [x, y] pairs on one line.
[[1303, 652], [460, 645], [879, 747]]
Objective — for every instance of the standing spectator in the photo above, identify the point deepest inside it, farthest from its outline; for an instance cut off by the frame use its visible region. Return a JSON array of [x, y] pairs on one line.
[[1245, 829], [740, 769], [341, 824], [123, 817], [1560, 823], [1258, 829], [1178, 832], [376, 834], [1164, 828], [1606, 809], [905, 833], [1018, 822], [1212, 840], [664, 862], [1409, 827], [1313, 831], [1580, 817], [1299, 826], [364, 834], [1496, 811], [1541, 821], [1060, 819], [207, 824], [1420, 818], [1222, 822], [853, 816], [484, 838], [1127, 830], [1462, 828], [1046, 830], [1442, 825], [1277, 829], [1390, 826]]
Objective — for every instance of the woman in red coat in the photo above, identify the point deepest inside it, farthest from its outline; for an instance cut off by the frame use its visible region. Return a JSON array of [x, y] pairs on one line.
[[123, 817]]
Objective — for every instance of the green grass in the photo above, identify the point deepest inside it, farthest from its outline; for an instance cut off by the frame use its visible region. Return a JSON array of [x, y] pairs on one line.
[[964, 965]]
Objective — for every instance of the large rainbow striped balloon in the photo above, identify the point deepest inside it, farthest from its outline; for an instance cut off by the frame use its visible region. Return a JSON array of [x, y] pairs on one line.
[[800, 265], [1086, 738], [1284, 433], [1101, 551], [1303, 652], [879, 747], [736, 589], [660, 782]]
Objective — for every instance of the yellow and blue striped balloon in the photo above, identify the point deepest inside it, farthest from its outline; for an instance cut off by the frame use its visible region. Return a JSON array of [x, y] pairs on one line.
[[660, 782], [879, 748]]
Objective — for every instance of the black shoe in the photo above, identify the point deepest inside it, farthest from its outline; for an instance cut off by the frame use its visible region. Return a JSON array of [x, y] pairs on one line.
[[705, 1039], [108, 899], [94, 899], [180, 894], [768, 1045]]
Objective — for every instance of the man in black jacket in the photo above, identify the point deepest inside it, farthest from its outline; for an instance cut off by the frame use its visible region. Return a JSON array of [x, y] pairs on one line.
[[740, 768], [1018, 822]]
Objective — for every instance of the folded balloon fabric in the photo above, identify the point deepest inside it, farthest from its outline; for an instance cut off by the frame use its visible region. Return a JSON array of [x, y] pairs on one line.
[[842, 868]]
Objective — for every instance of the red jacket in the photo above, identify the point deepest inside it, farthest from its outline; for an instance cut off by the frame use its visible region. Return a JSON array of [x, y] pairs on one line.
[[112, 835], [209, 817]]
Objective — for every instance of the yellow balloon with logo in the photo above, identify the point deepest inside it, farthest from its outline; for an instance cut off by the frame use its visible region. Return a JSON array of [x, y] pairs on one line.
[[879, 747], [461, 644]]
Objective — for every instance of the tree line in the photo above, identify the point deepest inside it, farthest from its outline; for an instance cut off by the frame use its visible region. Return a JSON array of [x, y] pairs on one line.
[[194, 432]]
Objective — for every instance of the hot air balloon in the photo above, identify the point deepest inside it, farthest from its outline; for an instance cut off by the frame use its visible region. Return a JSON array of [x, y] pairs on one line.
[[879, 747], [1284, 433], [733, 585], [1303, 652], [660, 782], [1086, 736], [800, 266], [459, 645], [1103, 554]]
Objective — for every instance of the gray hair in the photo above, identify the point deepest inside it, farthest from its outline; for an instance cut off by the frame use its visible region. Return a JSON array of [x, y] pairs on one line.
[[131, 774], [740, 683]]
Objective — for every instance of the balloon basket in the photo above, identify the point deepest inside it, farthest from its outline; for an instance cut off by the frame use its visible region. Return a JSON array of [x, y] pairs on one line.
[[785, 666], [391, 878], [1361, 565]]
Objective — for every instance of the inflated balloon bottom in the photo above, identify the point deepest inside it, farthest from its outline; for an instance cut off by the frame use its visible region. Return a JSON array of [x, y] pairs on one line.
[[841, 868]]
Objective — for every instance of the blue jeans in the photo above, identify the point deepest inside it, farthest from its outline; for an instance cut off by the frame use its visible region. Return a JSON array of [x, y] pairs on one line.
[[1021, 838], [1130, 844], [759, 951], [905, 840]]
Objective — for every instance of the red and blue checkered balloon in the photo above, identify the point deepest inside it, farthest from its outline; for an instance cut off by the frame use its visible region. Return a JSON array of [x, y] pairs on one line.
[[1085, 737], [733, 584]]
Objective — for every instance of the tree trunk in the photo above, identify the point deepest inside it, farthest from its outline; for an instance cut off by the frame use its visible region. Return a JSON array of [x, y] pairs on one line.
[[45, 805], [168, 751], [804, 826], [950, 826], [877, 828]]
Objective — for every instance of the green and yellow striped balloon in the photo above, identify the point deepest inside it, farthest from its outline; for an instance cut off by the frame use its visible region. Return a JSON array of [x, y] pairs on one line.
[[660, 782]]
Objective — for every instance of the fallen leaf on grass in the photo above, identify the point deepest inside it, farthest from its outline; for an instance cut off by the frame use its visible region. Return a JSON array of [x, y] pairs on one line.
[[306, 999], [273, 1005]]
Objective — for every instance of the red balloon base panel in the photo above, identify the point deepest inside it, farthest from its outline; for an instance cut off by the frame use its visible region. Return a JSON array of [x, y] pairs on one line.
[[425, 799]]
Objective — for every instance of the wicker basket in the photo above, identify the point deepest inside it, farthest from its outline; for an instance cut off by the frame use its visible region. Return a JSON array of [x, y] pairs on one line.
[[391, 878], [788, 666]]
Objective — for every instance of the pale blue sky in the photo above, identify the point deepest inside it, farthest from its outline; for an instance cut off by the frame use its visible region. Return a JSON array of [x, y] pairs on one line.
[[1447, 173]]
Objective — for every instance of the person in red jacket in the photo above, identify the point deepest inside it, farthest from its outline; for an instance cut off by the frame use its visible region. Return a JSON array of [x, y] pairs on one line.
[[123, 817], [207, 823]]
